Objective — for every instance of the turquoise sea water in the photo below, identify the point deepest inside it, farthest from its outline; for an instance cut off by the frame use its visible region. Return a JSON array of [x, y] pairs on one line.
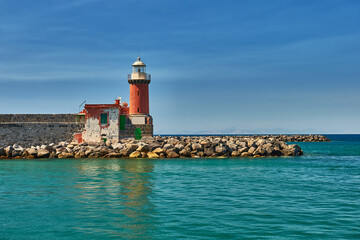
[[315, 196]]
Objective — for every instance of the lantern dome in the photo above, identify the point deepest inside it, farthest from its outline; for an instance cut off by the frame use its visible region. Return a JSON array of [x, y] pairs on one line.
[[139, 63]]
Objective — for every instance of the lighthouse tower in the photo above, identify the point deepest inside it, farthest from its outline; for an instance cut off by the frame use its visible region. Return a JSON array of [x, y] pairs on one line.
[[139, 81]]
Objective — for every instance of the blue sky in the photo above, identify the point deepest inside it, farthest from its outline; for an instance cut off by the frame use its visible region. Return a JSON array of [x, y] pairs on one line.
[[217, 66]]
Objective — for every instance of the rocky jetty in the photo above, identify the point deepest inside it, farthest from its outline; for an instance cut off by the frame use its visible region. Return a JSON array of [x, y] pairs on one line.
[[161, 147], [299, 138]]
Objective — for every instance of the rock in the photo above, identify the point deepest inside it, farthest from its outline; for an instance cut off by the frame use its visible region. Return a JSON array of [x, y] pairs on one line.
[[94, 155], [220, 150], [209, 152], [233, 147], [152, 155], [128, 150], [261, 142], [242, 150], [135, 154], [88, 152], [143, 148], [113, 155], [18, 147], [241, 144], [172, 154], [260, 151], [80, 154], [43, 153], [65, 155], [246, 154], [2, 152], [178, 147], [117, 146], [196, 146], [251, 150], [295, 150], [16, 153], [168, 146], [108, 144], [8, 151], [70, 146], [235, 153], [185, 152], [159, 151]]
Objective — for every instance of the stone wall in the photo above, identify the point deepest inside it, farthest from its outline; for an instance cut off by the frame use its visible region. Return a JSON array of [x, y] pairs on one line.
[[44, 118], [146, 129], [37, 129]]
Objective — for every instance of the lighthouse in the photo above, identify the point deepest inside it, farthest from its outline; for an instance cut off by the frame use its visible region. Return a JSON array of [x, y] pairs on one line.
[[111, 122], [139, 81]]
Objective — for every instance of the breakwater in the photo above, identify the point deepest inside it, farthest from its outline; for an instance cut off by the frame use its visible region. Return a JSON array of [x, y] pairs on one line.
[[299, 138], [161, 147]]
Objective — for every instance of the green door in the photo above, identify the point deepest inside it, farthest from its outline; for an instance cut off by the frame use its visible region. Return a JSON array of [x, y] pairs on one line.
[[137, 133], [122, 122]]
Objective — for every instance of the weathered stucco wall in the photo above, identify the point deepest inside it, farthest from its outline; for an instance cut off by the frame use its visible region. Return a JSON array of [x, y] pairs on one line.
[[95, 131], [36, 129]]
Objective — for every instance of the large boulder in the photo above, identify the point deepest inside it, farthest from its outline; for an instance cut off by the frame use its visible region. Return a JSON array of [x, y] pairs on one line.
[[2, 152], [251, 150], [196, 147], [117, 146], [135, 154], [186, 152], [43, 153], [130, 148], [178, 147], [168, 146], [233, 147], [159, 151], [80, 154], [241, 144], [209, 151], [16, 153], [143, 148], [221, 150], [172, 154], [152, 155], [242, 150], [294, 150], [8, 151]]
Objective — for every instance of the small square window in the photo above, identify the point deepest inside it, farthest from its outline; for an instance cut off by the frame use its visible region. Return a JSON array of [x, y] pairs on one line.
[[103, 118]]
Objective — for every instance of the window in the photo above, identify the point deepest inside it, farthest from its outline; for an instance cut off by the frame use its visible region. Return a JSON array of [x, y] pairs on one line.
[[138, 109], [103, 118], [138, 93]]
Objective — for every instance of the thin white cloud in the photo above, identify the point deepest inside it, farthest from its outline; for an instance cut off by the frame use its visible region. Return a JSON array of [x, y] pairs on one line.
[[73, 4]]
